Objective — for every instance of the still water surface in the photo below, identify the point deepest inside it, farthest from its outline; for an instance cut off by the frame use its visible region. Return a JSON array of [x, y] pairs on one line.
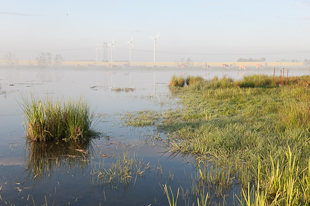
[[60, 174]]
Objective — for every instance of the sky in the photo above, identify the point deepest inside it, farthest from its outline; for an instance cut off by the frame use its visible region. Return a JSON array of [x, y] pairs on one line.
[[202, 30]]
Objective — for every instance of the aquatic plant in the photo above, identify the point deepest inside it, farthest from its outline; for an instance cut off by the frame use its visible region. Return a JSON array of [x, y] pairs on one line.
[[126, 89], [56, 119], [238, 125], [121, 171], [141, 118], [176, 81], [170, 197], [201, 197], [190, 80]]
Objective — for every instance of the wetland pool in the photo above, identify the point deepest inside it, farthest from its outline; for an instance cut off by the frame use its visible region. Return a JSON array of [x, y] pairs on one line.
[[126, 165]]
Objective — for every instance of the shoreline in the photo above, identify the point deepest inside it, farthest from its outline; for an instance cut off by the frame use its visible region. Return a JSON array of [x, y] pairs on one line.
[[155, 64]]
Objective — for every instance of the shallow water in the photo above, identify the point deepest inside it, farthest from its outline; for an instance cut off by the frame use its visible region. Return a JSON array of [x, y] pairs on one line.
[[68, 179]]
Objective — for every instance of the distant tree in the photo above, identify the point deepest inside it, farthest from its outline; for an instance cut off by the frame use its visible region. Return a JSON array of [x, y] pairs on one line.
[[58, 60], [11, 59], [284, 60], [306, 61], [44, 59], [189, 62], [251, 60]]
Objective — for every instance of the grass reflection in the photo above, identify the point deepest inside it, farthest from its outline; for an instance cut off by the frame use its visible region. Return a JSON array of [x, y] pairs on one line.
[[45, 158]]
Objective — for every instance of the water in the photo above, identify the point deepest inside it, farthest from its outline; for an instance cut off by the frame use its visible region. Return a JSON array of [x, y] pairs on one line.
[[63, 175]]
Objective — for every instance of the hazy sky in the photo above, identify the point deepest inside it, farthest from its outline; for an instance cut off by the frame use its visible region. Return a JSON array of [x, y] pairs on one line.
[[204, 30]]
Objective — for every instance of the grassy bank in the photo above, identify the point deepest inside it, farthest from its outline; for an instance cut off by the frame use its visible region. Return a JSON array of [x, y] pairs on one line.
[[257, 127], [56, 119]]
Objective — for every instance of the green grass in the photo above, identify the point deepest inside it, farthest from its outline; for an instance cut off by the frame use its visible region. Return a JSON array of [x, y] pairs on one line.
[[141, 118], [176, 81], [50, 119], [238, 126], [190, 80], [121, 171]]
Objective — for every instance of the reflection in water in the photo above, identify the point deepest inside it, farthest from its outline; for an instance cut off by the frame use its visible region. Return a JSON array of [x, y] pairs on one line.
[[45, 158]]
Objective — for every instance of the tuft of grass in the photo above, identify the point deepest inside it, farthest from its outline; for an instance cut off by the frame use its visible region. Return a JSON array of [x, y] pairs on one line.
[[49, 119], [171, 200], [176, 81], [141, 118], [191, 80], [121, 171]]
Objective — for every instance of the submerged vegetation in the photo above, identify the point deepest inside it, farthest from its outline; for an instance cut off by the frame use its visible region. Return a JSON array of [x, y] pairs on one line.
[[254, 132], [56, 120], [122, 171]]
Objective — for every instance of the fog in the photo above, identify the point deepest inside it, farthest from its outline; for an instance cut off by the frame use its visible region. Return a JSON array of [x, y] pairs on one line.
[[206, 31]]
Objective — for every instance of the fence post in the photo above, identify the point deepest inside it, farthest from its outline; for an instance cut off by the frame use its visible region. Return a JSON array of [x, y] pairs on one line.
[[274, 70], [286, 73]]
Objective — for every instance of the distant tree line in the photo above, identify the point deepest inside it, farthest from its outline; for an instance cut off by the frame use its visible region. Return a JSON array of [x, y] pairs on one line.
[[46, 59], [11, 59], [263, 59], [120, 61], [307, 62], [287, 60]]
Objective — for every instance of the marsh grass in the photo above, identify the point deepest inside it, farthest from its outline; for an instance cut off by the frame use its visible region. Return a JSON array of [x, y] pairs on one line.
[[176, 81], [202, 199], [122, 171], [50, 119], [126, 89], [190, 80], [238, 126], [141, 118]]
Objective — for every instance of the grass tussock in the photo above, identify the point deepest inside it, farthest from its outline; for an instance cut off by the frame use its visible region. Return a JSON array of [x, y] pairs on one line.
[[56, 119], [176, 81], [122, 171], [190, 80]]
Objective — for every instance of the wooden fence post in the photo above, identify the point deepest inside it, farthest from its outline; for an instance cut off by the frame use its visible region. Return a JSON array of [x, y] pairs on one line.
[[274, 70], [286, 73]]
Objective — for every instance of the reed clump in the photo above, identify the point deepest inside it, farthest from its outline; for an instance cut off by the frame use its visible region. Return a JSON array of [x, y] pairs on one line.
[[176, 81], [50, 119], [190, 80]]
